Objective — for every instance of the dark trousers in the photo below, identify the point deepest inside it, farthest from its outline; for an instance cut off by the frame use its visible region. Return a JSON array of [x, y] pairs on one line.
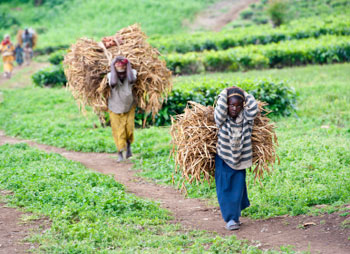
[[231, 190]]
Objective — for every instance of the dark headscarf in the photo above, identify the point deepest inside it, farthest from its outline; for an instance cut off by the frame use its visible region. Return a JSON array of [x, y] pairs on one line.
[[114, 74], [236, 92]]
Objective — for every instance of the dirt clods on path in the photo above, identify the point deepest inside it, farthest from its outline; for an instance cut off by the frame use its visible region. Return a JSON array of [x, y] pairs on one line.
[[322, 234]]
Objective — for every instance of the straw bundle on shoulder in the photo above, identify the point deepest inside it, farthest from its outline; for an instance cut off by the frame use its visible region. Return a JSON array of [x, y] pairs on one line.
[[194, 139], [87, 65]]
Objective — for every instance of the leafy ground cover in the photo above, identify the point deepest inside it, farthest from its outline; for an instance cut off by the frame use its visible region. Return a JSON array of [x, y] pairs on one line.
[[314, 156], [91, 213], [62, 22]]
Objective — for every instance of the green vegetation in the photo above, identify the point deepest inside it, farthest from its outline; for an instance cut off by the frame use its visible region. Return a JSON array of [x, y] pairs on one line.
[[57, 57], [62, 22], [280, 97], [91, 213], [305, 28], [277, 10], [314, 156], [326, 49], [295, 9], [50, 76]]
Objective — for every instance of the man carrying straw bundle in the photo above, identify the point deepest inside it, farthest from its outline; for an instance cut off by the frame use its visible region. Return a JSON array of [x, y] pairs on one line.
[[121, 104], [234, 116]]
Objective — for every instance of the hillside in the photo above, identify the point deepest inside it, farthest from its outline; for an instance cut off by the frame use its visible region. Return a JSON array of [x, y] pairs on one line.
[[62, 22]]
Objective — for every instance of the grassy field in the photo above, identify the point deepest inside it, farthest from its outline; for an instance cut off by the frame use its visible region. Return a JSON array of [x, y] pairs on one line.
[[91, 213], [314, 157], [61, 24]]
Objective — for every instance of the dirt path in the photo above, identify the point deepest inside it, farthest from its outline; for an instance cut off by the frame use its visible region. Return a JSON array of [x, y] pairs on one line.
[[326, 234], [21, 75], [13, 231], [216, 16]]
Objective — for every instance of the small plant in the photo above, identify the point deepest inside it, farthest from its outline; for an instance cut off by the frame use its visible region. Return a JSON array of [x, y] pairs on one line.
[[52, 76], [277, 10], [57, 57], [345, 224], [247, 14]]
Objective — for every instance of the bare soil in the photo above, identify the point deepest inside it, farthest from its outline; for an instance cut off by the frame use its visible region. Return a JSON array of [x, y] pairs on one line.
[[13, 230], [216, 16], [324, 235], [21, 75]]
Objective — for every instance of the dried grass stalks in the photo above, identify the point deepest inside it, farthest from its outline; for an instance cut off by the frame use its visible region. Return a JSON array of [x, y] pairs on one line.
[[87, 64], [194, 138]]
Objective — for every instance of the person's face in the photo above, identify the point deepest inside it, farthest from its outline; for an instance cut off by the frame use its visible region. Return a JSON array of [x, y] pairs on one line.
[[120, 67], [235, 106]]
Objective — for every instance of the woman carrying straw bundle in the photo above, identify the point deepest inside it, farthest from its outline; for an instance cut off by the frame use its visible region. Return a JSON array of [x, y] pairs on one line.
[[121, 104], [7, 52], [234, 115]]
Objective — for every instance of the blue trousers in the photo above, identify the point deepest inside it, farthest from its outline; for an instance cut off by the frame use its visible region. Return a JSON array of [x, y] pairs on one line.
[[231, 190]]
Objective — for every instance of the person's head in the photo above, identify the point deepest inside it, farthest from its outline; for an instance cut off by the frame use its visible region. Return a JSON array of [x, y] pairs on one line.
[[26, 31], [121, 68], [235, 101], [121, 64], [6, 40]]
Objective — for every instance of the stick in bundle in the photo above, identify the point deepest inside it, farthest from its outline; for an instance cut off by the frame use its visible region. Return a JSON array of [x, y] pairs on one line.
[[194, 139], [87, 65]]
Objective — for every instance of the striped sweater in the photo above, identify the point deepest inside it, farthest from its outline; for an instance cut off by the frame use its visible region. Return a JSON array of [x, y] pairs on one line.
[[234, 138]]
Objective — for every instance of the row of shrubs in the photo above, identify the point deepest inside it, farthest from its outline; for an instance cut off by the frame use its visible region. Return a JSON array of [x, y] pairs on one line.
[[326, 49], [263, 34], [279, 95]]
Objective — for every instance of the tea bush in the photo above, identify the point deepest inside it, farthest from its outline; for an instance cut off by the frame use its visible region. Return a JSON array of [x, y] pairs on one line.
[[279, 95], [51, 76], [264, 34], [57, 57], [326, 49]]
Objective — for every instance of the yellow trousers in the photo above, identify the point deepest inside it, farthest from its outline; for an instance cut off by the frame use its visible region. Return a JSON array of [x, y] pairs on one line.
[[8, 63], [123, 126]]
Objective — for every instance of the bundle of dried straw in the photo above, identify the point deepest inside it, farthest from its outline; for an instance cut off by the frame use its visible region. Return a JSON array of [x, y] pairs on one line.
[[87, 64], [194, 138]]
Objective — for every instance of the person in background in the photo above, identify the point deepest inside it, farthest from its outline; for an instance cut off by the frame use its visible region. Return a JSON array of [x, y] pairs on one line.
[[28, 43], [19, 54], [7, 53], [234, 115], [121, 104]]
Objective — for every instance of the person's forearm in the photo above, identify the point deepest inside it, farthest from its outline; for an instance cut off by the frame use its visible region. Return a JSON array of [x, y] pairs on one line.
[[220, 113], [251, 107]]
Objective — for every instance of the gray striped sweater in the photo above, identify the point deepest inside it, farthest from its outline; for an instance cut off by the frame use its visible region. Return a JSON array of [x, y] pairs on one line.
[[234, 139]]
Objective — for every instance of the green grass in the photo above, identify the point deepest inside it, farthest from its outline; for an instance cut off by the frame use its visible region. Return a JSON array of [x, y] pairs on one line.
[[314, 154], [63, 24], [91, 213]]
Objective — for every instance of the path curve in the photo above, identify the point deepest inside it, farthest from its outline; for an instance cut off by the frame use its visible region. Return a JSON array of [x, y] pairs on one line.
[[217, 15], [196, 214]]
